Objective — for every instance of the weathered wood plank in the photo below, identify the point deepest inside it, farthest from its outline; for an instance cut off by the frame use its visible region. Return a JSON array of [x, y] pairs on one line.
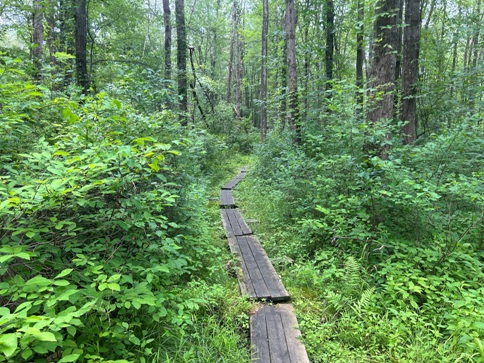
[[234, 223], [233, 183], [296, 349], [276, 336], [237, 217], [258, 338], [272, 280], [252, 275], [277, 341], [226, 199], [230, 223], [240, 268]]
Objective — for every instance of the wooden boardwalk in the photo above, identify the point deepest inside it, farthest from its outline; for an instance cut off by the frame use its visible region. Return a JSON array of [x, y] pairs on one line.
[[273, 328], [274, 336]]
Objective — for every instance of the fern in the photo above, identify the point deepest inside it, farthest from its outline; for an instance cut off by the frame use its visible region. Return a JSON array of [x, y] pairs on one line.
[[354, 282], [365, 299]]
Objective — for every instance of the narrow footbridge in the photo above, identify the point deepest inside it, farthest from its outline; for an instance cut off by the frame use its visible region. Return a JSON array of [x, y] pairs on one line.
[[274, 333]]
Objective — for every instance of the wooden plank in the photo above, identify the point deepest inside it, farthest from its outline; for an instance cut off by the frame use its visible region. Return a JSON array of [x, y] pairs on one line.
[[230, 223], [236, 218], [233, 183], [272, 280], [243, 170], [276, 336], [296, 348], [226, 199], [258, 338], [234, 223], [240, 268], [252, 275]]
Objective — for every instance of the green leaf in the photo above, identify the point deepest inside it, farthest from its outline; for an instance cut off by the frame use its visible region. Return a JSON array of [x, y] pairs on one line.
[[45, 336], [8, 344], [69, 358], [30, 234], [63, 273], [114, 286]]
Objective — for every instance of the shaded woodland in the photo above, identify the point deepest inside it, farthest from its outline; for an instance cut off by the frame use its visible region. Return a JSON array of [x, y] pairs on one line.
[[360, 124]]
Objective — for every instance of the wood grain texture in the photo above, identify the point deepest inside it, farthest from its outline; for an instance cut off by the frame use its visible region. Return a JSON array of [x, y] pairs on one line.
[[274, 336], [226, 199]]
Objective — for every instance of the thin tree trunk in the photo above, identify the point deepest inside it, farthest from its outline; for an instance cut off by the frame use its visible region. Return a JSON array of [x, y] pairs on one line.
[[330, 46], [475, 38], [360, 53], [263, 76], [238, 63], [51, 40], [81, 46], [293, 117], [398, 66], [194, 84], [167, 23], [307, 67], [283, 105], [411, 50], [431, 11], [228, 97], [38, 39], [181, 41]]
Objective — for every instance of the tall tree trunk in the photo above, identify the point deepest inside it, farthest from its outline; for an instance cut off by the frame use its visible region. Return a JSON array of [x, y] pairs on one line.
[[263, 75], [66, 37], [411, 49], [238, 62], [228, 97], [329, 51], [51, 38], [307, 68], [382, 72], [475, 37], [398, 50], [360, 53], [167, 23], [293, 116], [38, 39], [181, 56], [283, 105], [81, 46]]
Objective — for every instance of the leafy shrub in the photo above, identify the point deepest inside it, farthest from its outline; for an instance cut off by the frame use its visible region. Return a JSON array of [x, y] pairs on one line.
[[103, 226]]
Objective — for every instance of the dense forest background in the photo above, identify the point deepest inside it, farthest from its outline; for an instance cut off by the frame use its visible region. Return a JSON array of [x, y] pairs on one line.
[[361, 123]]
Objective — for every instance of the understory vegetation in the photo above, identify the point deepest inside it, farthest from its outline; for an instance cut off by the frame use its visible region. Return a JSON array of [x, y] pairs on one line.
[[107, 237], [384, 258]]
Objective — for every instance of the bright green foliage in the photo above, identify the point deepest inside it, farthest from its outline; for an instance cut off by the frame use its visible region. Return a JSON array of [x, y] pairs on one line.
[[385, 255], [103, 213]]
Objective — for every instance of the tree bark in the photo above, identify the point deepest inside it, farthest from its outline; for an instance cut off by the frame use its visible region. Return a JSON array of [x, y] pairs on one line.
[[360, 53], [283, 105], [228, 97], [81, 46], [293, 116], [181, 42], [38, 39], [263, 76], [237, 62], [167, 23], [51, 38], [382, 72], [411, 50], [329, 51]]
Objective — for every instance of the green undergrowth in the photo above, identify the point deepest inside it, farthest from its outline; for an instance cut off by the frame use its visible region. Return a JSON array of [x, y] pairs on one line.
[[110, 249], [383, 259]]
